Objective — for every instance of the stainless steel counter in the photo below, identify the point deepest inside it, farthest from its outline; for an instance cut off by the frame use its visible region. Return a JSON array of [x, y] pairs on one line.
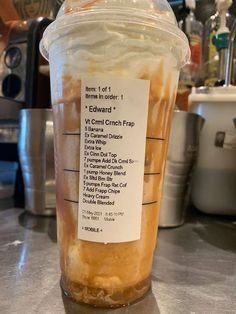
[[194, 269]]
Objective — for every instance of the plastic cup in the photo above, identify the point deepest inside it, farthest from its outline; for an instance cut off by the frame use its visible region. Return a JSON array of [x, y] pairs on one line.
[[114, 68]]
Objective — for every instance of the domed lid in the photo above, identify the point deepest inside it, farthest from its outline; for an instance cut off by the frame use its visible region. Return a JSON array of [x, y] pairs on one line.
[[155, 13], [158, 8]]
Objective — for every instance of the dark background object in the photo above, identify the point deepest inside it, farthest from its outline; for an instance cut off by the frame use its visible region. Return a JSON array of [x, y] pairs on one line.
[[38, 85], [9, 152], [204, 8], [56, 6], [31, 91], [13, 63]]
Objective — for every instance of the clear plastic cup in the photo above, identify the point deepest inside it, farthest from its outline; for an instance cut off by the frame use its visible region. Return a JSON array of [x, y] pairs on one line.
[[114, 68]]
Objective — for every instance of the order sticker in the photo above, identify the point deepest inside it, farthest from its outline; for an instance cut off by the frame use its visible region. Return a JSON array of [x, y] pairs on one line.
[[114, 115]]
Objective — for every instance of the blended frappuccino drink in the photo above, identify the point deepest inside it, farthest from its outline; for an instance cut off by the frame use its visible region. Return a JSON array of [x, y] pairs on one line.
[[114, 68]]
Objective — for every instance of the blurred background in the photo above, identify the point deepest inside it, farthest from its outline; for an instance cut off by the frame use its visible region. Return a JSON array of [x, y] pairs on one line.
[[204, 8]]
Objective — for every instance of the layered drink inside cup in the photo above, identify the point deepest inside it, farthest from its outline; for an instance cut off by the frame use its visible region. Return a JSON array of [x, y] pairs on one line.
[[114, 68]]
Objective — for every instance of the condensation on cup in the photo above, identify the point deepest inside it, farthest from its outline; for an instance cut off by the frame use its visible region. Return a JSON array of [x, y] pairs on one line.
[[114, 69]]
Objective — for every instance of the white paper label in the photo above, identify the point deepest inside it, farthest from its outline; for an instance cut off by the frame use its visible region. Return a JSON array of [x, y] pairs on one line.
[[113, 135]]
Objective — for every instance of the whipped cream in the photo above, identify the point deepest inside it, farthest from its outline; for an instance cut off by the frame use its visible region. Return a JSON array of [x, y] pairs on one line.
[[108, 49]]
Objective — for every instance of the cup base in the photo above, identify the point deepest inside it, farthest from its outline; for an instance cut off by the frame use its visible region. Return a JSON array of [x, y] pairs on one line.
[[105, 298]]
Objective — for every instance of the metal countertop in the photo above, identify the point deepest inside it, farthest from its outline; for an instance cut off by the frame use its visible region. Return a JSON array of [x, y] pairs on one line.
[[194, 268]]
